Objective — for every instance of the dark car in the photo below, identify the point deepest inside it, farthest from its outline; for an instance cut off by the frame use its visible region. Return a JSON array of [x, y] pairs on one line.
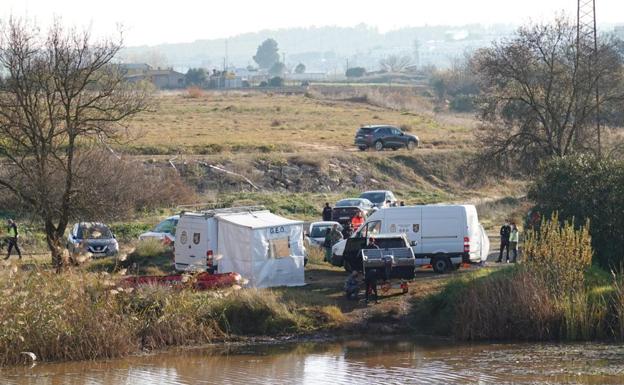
[[380, 137], [346, 209], [92, 237]]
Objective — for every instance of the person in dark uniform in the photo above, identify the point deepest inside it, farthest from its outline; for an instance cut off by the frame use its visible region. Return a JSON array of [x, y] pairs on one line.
[[327, 212], [505, 233], [13, 237]]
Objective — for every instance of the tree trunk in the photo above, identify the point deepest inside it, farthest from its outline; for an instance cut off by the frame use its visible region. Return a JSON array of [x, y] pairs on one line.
[[60, 261]]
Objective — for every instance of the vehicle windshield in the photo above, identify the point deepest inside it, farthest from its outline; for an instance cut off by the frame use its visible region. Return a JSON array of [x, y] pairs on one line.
[[349, 202], [166, 226], [94, 231], [375, 197], [318, 231]]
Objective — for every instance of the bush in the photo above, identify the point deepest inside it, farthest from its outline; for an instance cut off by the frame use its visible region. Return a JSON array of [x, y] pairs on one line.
[[151, 247], [559, 254], [127, 232], [355, 72], [194, 92], [581, 188], [462, 103], [276, 81]]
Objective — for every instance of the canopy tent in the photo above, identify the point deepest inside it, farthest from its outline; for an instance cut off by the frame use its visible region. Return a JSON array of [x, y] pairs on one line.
[[262, 247]]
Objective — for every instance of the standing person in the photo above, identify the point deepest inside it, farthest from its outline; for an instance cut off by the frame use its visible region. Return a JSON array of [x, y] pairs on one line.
[[13, 236], [327, 212], [327, 244], [332, 237], [514, 236], [505, 232], [370, 279], [347, 230], [357, 221]]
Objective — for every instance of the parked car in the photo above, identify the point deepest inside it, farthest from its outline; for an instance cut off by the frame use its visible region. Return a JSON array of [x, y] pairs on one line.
[[346, 209], [383, 136], [317, 230], [164, 231], [380, 198], [444, 236], [92, 237]]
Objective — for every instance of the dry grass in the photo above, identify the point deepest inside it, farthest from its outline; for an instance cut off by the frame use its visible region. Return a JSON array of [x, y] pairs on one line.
[[77, 316], [242, 122]]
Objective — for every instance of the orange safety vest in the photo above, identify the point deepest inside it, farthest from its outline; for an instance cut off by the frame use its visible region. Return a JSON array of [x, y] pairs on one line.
[[356, 222]]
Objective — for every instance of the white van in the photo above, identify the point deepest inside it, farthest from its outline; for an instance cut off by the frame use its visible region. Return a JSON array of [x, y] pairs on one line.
[[442, 235], [196, 238]]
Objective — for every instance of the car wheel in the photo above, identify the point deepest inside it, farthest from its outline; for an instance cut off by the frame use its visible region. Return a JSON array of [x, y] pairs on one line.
[[411, 145], [441, 265], [378, 145], [362, 148]]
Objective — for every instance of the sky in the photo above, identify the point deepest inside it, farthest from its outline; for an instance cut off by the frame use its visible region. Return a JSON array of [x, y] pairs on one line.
[[156, 22]]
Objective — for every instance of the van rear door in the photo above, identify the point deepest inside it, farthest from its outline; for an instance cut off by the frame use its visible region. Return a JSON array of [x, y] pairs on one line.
[[191, 243]]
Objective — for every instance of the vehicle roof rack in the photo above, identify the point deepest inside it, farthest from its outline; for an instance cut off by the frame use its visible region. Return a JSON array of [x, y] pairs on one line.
[[227, 210]]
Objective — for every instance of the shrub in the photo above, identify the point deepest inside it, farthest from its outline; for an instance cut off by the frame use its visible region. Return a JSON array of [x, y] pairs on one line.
[[270, 317], [194, 92], [582, 188], [355, 72], [150, 248], [276, 81], [559, 254], [127, 232]]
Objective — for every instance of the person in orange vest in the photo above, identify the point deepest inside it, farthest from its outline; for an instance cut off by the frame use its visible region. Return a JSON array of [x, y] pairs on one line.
[[357, 221]]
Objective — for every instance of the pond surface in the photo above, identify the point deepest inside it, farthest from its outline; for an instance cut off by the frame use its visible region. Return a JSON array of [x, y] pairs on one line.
[[352, 362]]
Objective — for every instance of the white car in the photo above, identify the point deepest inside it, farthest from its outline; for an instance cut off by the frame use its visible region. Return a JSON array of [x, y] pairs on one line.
[[380, 198], [317, 230], [164, 231]]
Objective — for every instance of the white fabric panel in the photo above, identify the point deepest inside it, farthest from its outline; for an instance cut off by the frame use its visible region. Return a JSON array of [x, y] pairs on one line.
[[244, 247]]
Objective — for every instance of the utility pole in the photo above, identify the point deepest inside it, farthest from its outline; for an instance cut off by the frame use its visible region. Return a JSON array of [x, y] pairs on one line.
[[587, 50]]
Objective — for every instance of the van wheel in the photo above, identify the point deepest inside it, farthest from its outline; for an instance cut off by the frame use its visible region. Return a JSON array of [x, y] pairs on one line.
[[441, 265], [411, 145], [378, 145]]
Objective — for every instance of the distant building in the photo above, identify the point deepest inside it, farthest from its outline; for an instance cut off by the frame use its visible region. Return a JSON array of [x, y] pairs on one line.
[[134, 68], [161, 78], [224, 80]]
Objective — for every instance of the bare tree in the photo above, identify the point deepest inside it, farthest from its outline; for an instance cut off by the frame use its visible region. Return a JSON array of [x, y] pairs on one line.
[[538, 99], [395, 63], [60, 93]]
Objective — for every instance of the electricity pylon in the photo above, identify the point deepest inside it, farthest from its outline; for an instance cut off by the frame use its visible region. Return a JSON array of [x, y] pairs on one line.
[[587, 48]]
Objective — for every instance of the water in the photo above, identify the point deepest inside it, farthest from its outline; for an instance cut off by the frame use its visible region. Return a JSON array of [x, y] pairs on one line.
[[352, 362]]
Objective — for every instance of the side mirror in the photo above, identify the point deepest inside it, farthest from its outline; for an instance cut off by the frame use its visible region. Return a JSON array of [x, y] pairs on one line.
[[413, 243], [402, 133], [114, 236], [306, 235]]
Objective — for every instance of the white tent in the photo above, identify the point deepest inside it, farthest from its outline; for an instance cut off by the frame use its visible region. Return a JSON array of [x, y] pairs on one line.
[[262, 247]]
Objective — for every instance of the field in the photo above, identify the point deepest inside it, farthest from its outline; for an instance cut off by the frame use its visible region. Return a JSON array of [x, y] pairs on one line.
[[255, 121]]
